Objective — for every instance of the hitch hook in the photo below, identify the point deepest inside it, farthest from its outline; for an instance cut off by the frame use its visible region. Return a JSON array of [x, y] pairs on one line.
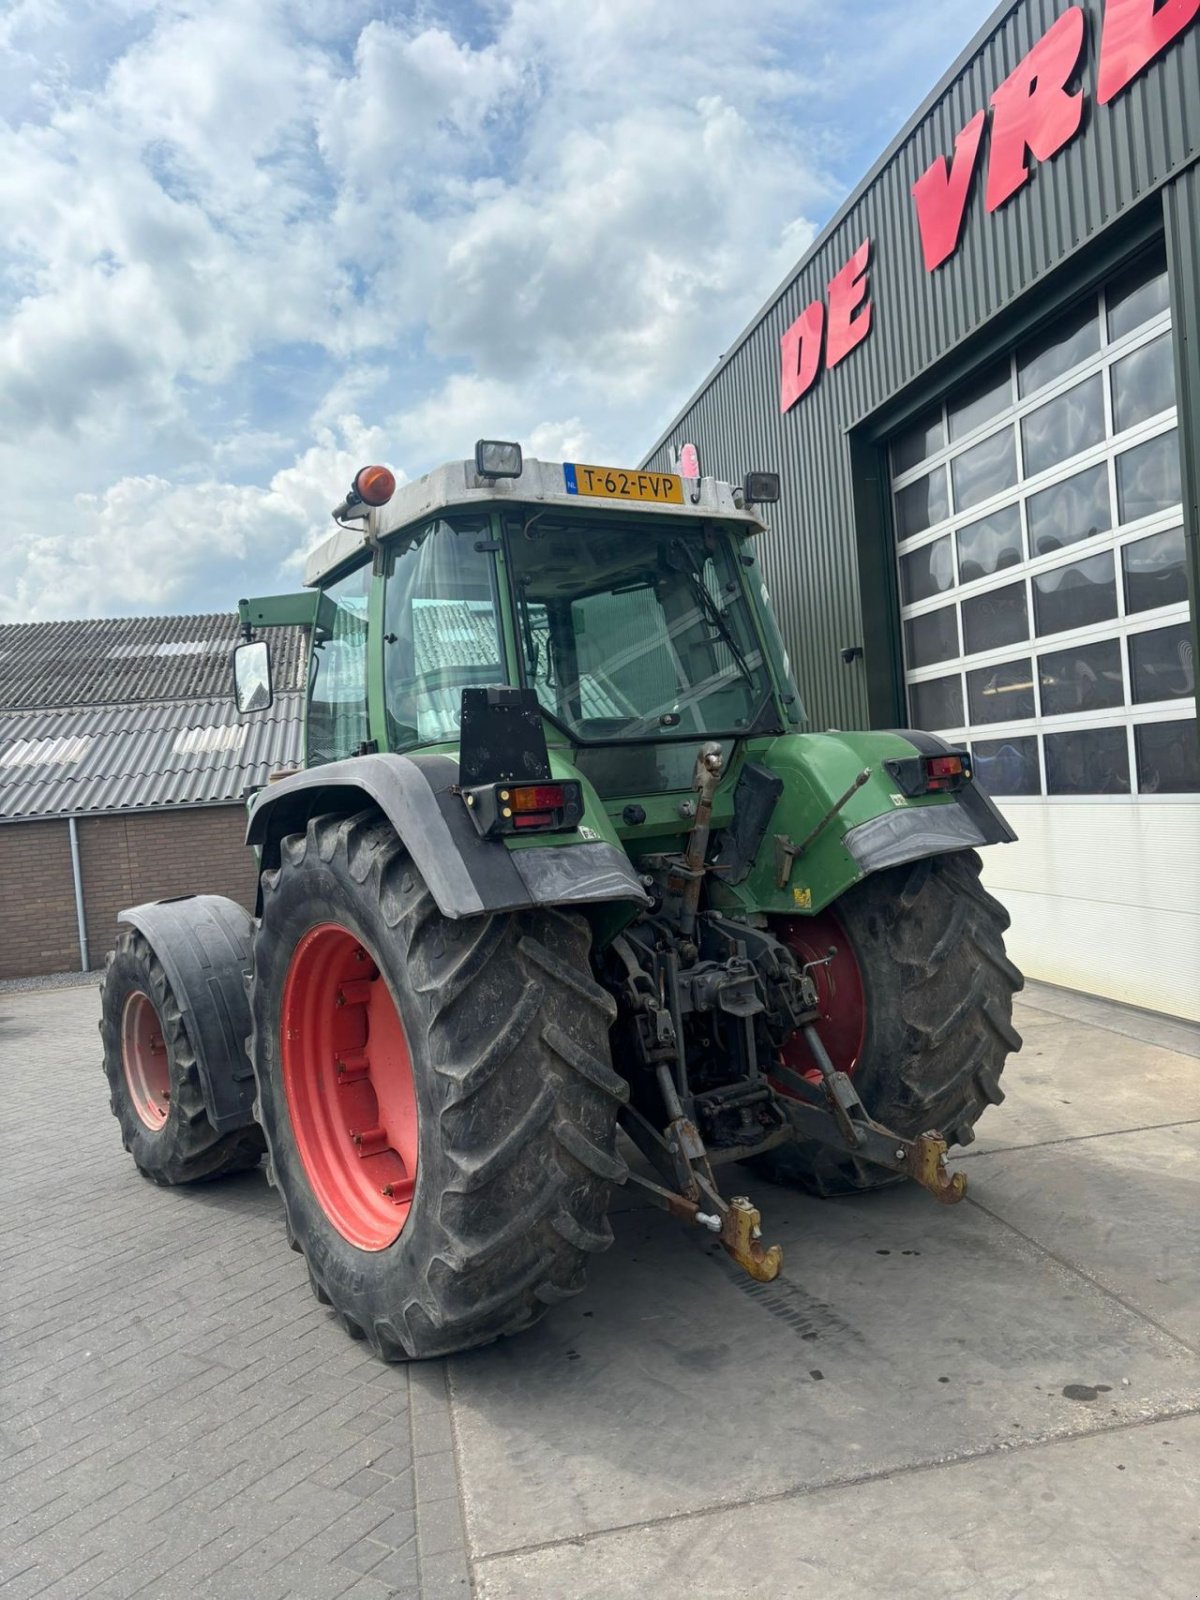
[[925, 1160], [741, 1235]]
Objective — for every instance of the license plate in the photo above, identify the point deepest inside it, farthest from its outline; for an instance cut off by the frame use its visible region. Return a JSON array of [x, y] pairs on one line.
[[613, 483]]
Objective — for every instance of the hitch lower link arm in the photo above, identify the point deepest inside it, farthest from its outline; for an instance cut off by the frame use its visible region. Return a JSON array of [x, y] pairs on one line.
[[736, 1222], [847, 1123]]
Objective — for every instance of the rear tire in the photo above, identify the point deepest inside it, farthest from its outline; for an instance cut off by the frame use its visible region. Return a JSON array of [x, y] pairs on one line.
[[516, 1098], [938, 990], [153, 1080]]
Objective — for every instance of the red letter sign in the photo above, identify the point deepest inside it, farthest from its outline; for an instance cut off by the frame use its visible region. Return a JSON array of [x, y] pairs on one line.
[[801, 347], [1134, 33], [847, 292], [1033, 111], [941, 196]]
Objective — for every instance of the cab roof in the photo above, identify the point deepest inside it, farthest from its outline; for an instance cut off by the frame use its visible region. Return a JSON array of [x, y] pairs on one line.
[[459, 485]]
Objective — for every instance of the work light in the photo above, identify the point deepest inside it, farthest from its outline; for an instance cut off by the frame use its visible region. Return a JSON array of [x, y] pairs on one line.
[[761, 488], [496, 458]]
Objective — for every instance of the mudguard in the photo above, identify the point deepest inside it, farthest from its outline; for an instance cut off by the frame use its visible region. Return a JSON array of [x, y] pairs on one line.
[[894, 837], [203, 942], [466, 875]]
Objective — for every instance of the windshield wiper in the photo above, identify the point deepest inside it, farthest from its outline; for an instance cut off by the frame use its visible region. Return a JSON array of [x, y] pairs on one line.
[[716, 617]]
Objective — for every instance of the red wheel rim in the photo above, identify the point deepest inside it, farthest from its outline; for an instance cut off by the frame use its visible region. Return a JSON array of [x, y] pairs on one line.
[[348, 1081], [145, 1060], [843, 1021]]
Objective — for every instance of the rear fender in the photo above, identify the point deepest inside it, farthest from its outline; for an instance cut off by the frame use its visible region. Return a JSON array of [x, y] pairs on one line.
[[896, 836], [466, 875], [203, 943], [850, 830]]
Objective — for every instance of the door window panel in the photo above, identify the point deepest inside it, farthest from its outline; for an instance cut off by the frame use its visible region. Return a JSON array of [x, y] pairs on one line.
[[937, 704], [1155, 571], [1090, 761], [927, 572], [1144, 384], [1141, 292], [1162, 665], [1078, 508], [1071, 340], [979, 400], [923, 439], [1008, 766], [1062, 428], [1087, 677], [1148, 478], [933, 637], [1168, 757], [984, 470], [921, 504], [1076, 596], [1001, 694], [989, 545], [995, 619]]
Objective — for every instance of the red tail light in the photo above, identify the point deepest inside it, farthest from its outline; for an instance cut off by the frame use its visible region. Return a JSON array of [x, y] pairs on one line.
[[940, 774], [945, 772], [498, 808]]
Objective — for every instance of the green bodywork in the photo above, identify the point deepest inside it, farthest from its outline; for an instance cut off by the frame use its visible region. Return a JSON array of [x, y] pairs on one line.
[[817, 769]]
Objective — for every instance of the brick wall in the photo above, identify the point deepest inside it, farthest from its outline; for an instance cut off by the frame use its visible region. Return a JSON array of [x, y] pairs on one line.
[[151, 855], [38, 931], [147, 855]]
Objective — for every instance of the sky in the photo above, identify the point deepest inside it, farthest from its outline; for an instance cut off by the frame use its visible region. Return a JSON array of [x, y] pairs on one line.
[[248, 246]]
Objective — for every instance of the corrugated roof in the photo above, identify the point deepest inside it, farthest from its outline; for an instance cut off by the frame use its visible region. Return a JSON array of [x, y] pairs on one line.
[[131, 659], [115, 758]]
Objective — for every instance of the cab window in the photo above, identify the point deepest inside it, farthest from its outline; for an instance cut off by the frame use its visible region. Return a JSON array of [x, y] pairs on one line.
[[337, 676], [442, 631]]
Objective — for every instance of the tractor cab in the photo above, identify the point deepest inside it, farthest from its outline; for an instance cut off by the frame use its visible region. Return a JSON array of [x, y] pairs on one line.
[[631, 605]]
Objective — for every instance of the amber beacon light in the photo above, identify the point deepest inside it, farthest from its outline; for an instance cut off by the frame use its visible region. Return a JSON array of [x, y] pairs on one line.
[[374, 486]]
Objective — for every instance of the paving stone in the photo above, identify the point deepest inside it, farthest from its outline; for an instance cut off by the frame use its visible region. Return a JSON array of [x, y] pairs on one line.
[[179, 1418]]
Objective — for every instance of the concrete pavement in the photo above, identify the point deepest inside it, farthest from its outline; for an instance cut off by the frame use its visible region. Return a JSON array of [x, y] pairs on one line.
[[992, 1400]]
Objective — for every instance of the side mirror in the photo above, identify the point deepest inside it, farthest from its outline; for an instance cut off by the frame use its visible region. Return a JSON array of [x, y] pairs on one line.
[[252, 676]]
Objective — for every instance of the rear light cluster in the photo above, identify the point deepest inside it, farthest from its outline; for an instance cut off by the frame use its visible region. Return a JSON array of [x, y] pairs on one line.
[[940, 774], [499, 808], [945, 772]]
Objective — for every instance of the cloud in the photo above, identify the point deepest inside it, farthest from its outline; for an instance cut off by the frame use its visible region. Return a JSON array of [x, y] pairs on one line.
[[244, 248], [147, 544]]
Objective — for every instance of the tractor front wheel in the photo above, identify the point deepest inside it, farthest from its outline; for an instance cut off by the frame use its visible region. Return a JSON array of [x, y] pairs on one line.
[[153, 1079], [437, 1096], [916, 997]]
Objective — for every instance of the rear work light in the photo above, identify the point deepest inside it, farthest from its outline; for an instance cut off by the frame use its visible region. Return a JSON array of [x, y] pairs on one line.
[[497, 458], [940, 774], [500, 808]]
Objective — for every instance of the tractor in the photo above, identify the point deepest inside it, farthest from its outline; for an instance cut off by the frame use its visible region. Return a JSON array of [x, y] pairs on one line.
[[564, 897]]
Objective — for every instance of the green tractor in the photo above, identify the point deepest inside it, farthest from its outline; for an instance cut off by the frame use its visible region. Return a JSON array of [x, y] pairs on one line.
[[562, 882]]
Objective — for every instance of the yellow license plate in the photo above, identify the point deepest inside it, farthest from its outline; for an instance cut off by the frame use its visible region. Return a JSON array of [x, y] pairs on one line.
[[614, 483]]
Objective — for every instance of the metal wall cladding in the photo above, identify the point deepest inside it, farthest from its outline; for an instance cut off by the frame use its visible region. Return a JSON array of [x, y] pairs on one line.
[[118, 758], [1124, 152]]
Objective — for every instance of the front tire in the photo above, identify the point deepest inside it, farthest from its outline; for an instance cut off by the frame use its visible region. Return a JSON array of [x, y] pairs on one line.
[[936, 989], [483, 1068], [153, 1079]]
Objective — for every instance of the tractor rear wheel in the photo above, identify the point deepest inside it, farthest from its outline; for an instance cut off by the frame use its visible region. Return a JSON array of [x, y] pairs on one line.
[[153, 1080], [437, 1096], [917, 1004]]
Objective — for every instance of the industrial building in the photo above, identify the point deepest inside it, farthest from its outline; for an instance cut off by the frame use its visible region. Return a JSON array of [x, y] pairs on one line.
[[123, 770], [981, 387]]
